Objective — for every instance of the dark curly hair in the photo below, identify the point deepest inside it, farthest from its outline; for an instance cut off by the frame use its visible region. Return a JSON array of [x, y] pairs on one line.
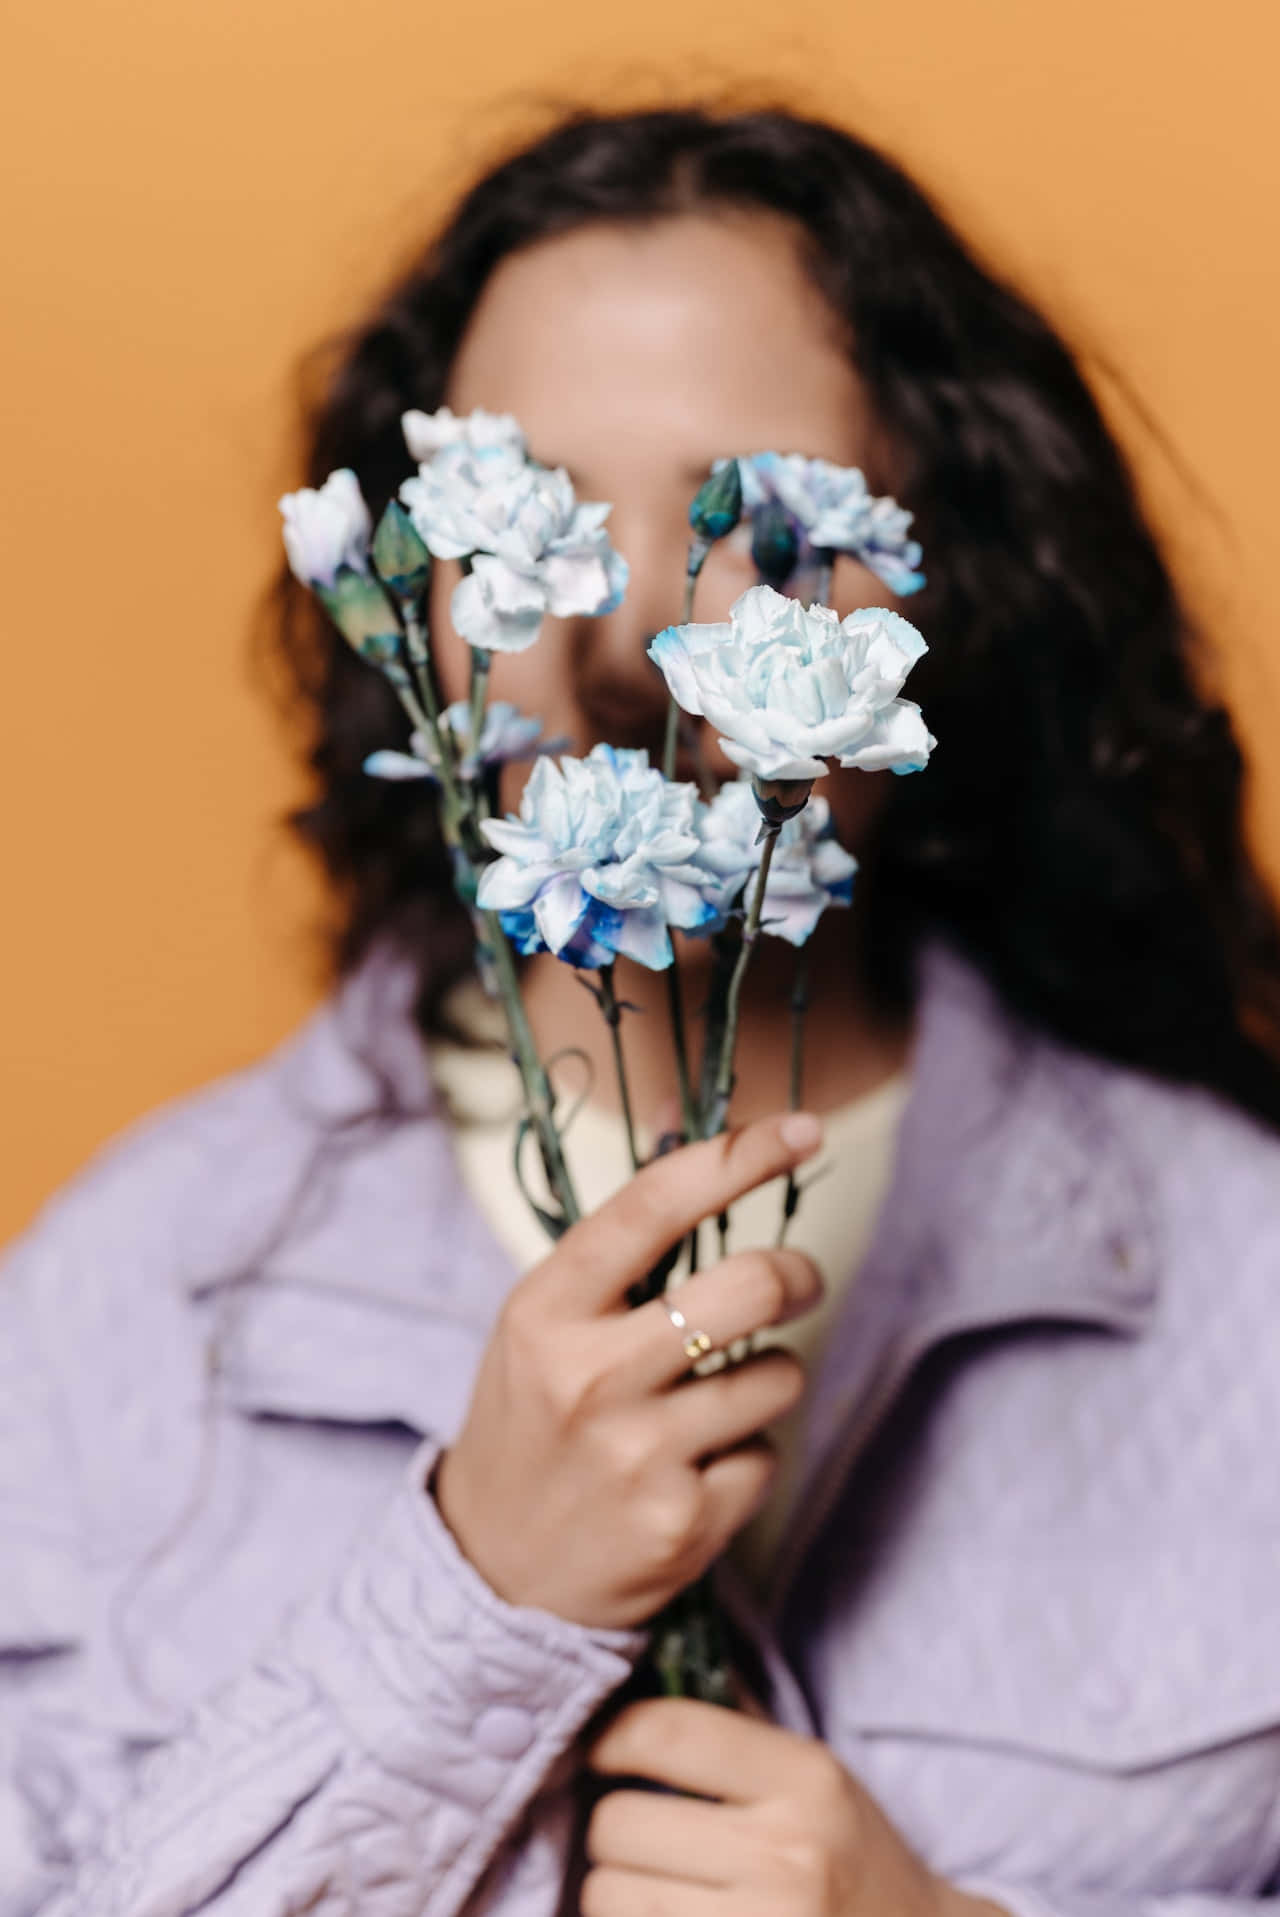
[[1079, 836]]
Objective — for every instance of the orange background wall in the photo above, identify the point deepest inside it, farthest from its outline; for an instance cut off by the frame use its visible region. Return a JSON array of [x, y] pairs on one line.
[[199, 188]]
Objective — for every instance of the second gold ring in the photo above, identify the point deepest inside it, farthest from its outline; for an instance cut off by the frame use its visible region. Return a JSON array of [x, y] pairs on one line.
[[696, 1343]]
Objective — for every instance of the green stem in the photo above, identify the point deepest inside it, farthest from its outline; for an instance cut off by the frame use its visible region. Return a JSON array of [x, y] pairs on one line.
[[690, 1651], [826, 566], [671, 744], [480, 664], [613, 1019], [537, 1086], [405, 694], [689, 1124], [675, 1002], [799, 1006], [459, 821], [718, 1114], [429, 719], [416, 645]]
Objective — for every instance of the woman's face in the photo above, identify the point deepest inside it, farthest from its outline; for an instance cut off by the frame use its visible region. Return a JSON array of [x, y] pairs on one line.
[[634, 356]]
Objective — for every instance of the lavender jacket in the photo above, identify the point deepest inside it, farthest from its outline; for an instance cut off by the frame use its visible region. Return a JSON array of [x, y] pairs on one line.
[[1030, 1595]]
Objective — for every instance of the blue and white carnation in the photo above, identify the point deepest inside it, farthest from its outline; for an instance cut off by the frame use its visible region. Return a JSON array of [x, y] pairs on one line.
[[483, 435], [885, 549], [831, 510], [534, 548], [601, 861], [326, 528], [789, 687], [506, 735], [810, 869]]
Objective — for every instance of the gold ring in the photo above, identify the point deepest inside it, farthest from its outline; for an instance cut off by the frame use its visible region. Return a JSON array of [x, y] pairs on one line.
[[696, 1344]]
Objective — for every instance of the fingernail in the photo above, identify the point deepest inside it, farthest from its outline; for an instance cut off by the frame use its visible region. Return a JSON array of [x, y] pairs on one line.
[[802, 1131]]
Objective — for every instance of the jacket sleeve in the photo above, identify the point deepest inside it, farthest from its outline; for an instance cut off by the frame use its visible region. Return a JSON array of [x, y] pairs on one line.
[[1027, 1901], [402, 1730], [373, 1760]]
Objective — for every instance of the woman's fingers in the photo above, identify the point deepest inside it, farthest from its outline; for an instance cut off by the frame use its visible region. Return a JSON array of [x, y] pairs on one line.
[[598, 1259], [732, 1407], [732, 1490], [740, 1295]]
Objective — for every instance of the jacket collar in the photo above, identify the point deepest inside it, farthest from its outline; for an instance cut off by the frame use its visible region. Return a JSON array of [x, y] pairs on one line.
[[343, 1271], [1015, 1198], [1015, 1192], [367, 1281]]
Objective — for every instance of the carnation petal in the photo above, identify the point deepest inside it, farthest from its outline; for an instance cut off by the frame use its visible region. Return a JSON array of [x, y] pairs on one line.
[[577, 584], [687, 906], [671, 656], [515, 840], [899, 741], [642, 935], [560, 909], [773, 764], [395, 765], [507, 885], [478, 620]]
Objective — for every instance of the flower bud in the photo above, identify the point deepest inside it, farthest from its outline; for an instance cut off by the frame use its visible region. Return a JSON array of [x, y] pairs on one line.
[[780, 799], [399, 554], [775, 545], [361, 611], [382, 649], [717, 504]]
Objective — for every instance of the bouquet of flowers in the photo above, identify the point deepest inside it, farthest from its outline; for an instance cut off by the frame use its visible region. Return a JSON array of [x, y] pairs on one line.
[[608, 854]]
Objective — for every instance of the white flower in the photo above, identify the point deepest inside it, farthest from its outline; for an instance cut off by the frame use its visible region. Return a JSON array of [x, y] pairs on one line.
[[426, 434], [599, 863], [505, 735], [536, 549], [885, 549], [327, 528], [832, 510], [461, 497], [788, 687], [810, 868]]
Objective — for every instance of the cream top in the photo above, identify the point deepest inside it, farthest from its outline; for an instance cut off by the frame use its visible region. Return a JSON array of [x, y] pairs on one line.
[[844, 1187]]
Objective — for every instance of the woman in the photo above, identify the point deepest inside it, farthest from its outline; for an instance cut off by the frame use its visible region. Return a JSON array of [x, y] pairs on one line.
[[351, 1511]]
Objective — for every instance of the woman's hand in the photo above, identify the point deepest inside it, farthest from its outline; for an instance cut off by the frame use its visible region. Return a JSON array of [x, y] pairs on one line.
[[594, 1476], [791, 1833]]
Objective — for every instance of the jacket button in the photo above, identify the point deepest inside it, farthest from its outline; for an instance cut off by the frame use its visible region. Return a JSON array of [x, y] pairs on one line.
[[504, 1730]]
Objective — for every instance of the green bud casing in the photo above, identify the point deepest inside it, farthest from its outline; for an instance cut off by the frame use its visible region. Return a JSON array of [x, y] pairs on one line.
[[780, 799], [717, 504], [775, 546], [359, 608], [399, 554]]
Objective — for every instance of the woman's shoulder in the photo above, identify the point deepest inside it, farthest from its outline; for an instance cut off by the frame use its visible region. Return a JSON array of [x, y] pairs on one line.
[[1207, 1171], [200, 1173], [136, 1187]]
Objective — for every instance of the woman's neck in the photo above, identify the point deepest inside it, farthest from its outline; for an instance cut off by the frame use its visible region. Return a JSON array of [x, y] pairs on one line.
[[849, 1050]]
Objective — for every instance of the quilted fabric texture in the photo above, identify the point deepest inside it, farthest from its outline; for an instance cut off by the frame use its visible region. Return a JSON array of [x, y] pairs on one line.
[[1027, 1594]]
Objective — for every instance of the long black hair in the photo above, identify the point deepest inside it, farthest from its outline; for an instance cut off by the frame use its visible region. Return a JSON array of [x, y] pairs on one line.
[[1079, 835]]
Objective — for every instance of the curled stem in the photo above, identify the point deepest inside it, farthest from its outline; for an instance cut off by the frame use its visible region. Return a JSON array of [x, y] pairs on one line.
[[539, 1098], [462, 804]]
